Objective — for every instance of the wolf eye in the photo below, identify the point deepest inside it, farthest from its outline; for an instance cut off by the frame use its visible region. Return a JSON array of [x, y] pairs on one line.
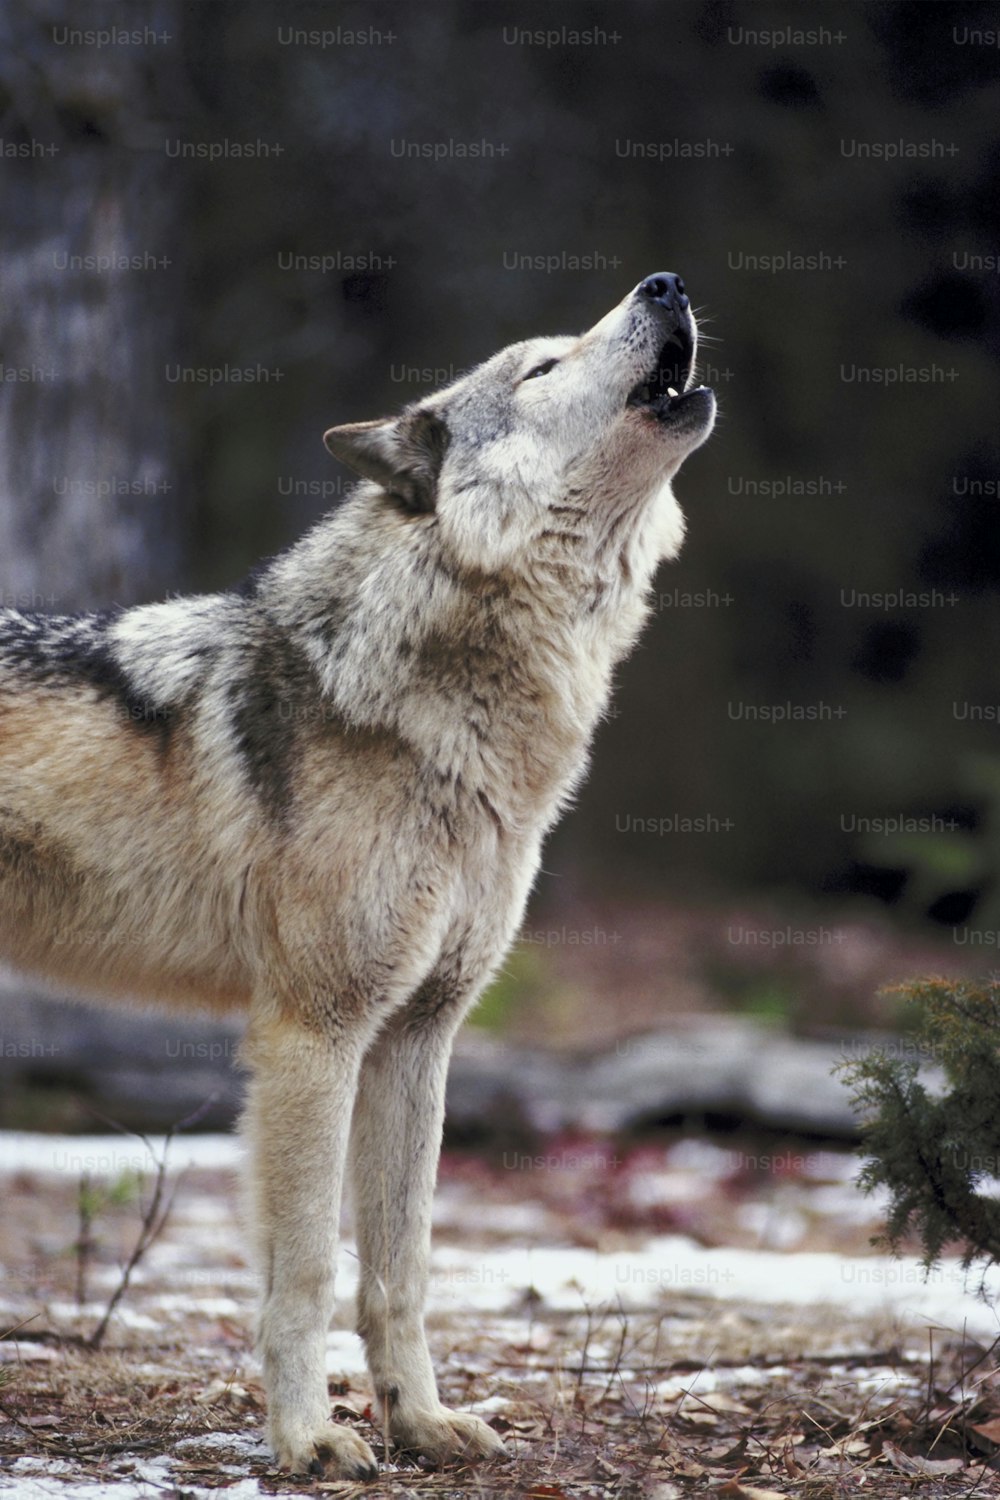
[[542, 369]]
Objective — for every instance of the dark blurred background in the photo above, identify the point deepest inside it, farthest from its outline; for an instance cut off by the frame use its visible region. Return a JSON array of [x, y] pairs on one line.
[[231, 225]]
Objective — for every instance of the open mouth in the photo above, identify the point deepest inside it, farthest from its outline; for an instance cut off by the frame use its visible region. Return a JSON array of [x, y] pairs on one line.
[[662, 390]]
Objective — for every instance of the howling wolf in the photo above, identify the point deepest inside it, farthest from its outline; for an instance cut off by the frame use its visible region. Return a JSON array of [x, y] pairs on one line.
[[321, 798]]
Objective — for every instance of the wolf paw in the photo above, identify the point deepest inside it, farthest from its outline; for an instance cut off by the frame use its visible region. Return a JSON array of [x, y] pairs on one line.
[[331, 1451], [443, 1436]]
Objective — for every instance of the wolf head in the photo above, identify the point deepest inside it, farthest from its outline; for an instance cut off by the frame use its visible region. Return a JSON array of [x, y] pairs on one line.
[[550, 436]]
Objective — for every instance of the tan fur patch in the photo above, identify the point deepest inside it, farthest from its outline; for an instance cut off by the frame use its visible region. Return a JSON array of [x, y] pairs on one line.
[[96, 822]]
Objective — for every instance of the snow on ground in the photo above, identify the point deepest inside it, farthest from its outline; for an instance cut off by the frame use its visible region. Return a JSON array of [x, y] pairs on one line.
[[39, 1478], [502, 1269], [110, 1155], [567, 1279], [473, 1278]]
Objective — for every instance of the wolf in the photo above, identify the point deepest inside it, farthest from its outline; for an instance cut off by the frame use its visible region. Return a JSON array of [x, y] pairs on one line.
[[320, 799]]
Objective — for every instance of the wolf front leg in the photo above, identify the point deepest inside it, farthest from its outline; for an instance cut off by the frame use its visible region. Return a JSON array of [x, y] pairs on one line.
[[395, 1145], [297, 1123]]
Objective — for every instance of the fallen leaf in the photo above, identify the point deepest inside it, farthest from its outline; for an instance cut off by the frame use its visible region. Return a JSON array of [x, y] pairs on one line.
[[908, 1464], [733, 1490], [732, 1456], [691, 1403], [845, 1446], [702, 1420], [792, 1466]]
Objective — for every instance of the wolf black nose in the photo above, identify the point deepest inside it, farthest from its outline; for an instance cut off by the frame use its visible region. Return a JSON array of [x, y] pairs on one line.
[[665, 288]]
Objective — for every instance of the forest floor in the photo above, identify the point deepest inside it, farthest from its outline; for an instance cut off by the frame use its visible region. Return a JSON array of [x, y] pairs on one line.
[[653, 1319]]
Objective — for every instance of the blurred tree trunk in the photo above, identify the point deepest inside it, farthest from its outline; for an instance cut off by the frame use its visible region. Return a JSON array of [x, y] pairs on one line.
[[90, 465]]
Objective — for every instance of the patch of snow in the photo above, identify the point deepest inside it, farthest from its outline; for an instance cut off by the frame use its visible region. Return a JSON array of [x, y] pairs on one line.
[[200, 1275], [886, 1382], [69, 1311], [148, 1479], [103, 1155], [239, 1442], [14, 1353], [710, 1162], [199, 1208], [832, 1166], [246, 1489], [843, 1202], [524, 1218], [183, 1304], [570, 1279], [777, 1227], [488, 1405], [55, 1476], [653, 1189], [345, 1355], [703, 1382]]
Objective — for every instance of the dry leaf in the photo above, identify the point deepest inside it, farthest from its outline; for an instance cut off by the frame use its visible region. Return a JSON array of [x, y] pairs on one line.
[[704, 1421], [731, 1456], [733, 1490], [356, 1404], [792, 1466], [844, 1447], [906, 1464], [720, 1401]]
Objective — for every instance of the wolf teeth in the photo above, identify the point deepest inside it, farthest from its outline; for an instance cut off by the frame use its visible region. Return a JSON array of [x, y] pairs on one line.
[[671, 391]]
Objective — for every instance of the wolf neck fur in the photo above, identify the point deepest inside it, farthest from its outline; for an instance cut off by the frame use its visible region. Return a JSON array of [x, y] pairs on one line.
[[516, 665]]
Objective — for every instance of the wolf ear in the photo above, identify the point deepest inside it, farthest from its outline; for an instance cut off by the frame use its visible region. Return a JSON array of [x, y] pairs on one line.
[[402, 454]]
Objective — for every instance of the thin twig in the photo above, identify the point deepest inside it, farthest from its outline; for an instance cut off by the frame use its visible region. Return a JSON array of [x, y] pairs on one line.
[[84, 1240], [153, 1220]]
